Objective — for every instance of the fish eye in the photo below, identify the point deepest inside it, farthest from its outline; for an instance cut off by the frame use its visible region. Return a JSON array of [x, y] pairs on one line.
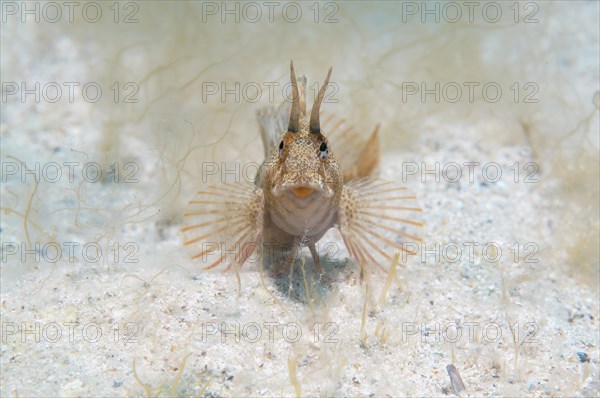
[[323, 151], [281, 148]]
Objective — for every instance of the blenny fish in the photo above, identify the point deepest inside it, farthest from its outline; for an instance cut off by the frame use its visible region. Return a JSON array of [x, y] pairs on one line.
[[301, 191]]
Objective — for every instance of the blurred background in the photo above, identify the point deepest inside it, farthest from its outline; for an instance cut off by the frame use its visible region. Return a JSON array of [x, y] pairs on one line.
[[150, 93]]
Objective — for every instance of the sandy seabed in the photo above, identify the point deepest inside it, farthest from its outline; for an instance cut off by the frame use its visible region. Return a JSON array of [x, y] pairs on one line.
[[99, 297]]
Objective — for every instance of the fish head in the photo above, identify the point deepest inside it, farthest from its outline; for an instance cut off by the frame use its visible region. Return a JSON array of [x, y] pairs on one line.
[[305, 167]]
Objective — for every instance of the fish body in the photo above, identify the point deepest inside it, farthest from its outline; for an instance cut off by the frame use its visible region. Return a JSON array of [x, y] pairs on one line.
[[301, 191]]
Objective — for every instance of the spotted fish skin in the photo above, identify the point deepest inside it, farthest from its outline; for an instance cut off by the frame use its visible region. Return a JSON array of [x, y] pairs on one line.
[[301, 191]]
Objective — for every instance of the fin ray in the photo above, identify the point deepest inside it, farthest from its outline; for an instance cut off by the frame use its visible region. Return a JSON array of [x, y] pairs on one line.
[[361, 156], [223, 222], [375, 222]]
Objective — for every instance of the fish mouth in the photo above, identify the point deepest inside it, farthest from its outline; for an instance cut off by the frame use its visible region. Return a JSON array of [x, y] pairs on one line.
[[302, 191]]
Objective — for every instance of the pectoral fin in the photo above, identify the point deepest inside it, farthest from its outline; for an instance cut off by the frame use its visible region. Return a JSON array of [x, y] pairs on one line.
[[378, 218], [224, 224]]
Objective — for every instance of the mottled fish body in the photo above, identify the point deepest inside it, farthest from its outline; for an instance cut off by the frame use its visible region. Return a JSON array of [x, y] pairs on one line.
[[301, 191]]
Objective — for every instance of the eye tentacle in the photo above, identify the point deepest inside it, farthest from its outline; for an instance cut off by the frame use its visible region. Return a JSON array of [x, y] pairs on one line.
[[315, 126], [294, 124]]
